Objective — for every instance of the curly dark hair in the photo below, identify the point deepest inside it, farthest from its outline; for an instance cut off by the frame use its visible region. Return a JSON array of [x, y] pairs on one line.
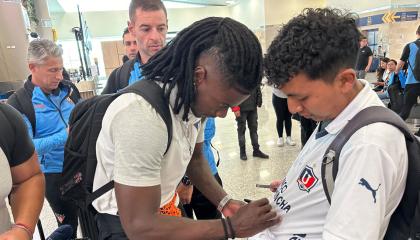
[[318, 42], [234, 47]]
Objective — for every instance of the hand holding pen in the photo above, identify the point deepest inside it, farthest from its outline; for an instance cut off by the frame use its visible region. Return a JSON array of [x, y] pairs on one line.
[[272, 186]]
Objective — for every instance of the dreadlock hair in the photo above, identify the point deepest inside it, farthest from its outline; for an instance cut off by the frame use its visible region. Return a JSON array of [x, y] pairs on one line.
[[319, 42], [232, 45]]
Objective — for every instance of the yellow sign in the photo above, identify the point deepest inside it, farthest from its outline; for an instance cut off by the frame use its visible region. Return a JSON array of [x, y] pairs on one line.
[[389, 17], [54, 35]]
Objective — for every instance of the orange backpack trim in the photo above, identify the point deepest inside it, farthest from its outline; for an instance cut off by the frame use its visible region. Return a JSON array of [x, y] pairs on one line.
[[170, 209]]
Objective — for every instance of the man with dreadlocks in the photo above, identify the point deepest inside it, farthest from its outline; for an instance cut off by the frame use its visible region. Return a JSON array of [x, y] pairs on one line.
[[208, 67]]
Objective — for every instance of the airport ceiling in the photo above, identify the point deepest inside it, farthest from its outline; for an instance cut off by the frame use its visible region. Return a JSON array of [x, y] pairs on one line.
[[114, 5]]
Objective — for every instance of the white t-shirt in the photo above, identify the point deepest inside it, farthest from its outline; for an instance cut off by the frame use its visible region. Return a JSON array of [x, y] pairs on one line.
[[369, 184], [131, 146]]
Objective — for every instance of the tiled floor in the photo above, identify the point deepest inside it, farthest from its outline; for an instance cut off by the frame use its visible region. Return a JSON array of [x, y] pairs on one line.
[[239, 177]]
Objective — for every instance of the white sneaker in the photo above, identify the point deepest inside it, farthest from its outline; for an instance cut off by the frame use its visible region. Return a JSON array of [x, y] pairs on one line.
[[280, 142], [290, 142]]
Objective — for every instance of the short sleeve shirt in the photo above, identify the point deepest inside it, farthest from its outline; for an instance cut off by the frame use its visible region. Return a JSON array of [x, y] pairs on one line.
[[409, 57], [363, 58], [131, 149], [406, 52], [369, 184], [15, 148]]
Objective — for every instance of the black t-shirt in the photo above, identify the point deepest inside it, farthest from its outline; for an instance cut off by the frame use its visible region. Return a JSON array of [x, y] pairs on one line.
[[14, 139], [363, 58], [406, 52]]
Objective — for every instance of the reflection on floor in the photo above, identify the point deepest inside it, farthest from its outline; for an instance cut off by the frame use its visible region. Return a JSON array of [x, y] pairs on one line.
[[239, 177]]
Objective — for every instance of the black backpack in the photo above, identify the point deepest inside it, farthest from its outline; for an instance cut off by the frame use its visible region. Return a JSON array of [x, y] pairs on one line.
[[85, 124], [405, 221], [396, 97], [119, 78], [415, 67], [21, 100]]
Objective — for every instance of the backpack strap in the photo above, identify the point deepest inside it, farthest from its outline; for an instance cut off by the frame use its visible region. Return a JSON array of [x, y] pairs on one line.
[[415, 223], [73, 93], [374, 114], [24, 105], [123, 73], [99, 192], [417, 43], [40, 230], [153, 94], [75, 96]]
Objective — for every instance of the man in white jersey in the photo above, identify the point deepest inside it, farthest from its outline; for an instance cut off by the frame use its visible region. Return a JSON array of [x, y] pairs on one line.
[[208, 67], [311, 61]]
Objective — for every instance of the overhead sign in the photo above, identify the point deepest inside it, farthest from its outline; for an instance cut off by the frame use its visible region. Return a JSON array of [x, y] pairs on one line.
[[388, 17], [408, 16]]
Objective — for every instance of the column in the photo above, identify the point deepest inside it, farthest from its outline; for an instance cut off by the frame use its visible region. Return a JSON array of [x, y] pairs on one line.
[[44, 28], [13, 45]]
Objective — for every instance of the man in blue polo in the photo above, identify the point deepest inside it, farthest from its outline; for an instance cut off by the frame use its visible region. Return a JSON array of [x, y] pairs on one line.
[[412, 88]]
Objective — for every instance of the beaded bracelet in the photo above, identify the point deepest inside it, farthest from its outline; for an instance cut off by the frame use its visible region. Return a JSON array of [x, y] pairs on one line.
[[225, 228], [232, 232]]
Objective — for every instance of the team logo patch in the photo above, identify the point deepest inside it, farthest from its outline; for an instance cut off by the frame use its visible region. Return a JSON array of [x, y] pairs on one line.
[[307, 179], [39, 105]]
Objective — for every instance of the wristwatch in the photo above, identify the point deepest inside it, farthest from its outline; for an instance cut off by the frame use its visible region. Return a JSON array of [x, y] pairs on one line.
[[186, 180]]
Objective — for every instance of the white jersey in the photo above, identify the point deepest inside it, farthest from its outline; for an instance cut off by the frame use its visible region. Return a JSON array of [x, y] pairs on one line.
[[369, 184], [131, 146]]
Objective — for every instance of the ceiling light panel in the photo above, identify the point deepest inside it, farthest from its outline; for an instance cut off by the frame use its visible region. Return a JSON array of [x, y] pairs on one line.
[[113, 5]]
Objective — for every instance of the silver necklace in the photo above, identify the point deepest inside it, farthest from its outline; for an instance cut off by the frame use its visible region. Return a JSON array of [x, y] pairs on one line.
[[186, 135]]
